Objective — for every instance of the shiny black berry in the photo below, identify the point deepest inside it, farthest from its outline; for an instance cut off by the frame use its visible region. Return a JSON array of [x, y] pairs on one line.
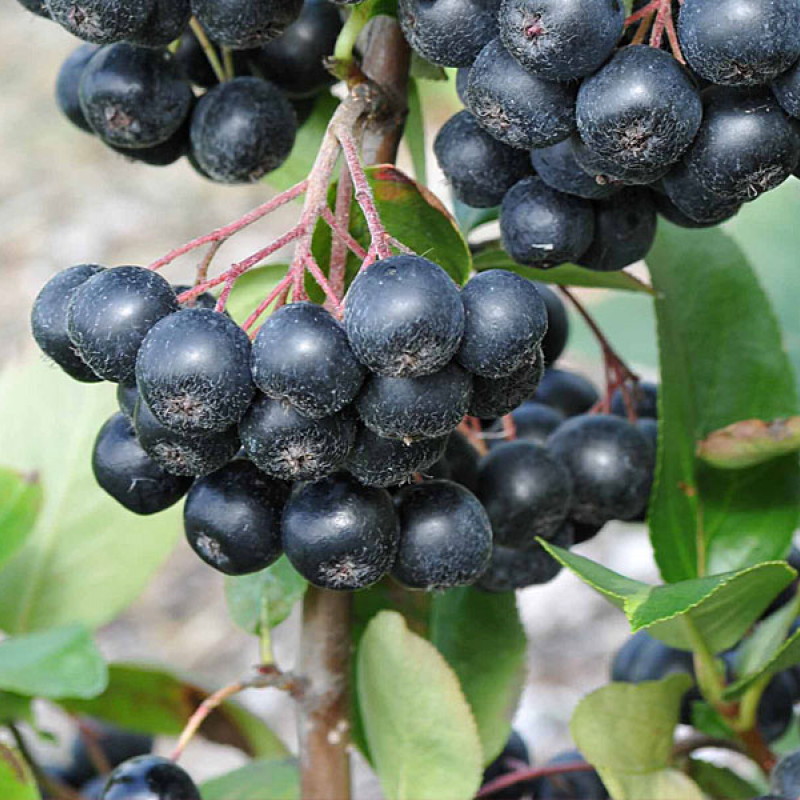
[[68, 84], [555, 340], [150, 778], [568, 392], [533, 422], [496, 397], [241, 24], [558, 167]]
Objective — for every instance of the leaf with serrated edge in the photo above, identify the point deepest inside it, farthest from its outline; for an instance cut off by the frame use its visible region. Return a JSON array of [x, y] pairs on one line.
[[492, 256], [750, 442], [787, 655], [721, 607], [63, 662], [149, 700], [420, 730], [16, 780], [482, 638], [258, 780], [721, 361], [270, 594], [20, 502], [627, 727], [87, 557]]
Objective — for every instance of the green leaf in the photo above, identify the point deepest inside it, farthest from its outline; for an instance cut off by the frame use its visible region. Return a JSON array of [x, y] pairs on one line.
[[720, 608], [787, 655], [483, 640], [150, 700], [414, 133], [20, 501], [721, 362], [750, 442], [706, 719], [413, 215], [16, 780], [87, 557], [63, 662], [492, 256], [424, 70], [758, 649], [469, 218], [721, 783], [419, 728], [258, 780], [15, 707], [306, 145], [627, 727], [267, 595], [252, 288], [663, 784]]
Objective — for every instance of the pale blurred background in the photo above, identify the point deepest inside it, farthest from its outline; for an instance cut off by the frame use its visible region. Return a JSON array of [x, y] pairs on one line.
[[65, 199]]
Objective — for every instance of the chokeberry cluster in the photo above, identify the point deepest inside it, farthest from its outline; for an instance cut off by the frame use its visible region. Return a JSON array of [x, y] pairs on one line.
[[229, 101], [583, 135], [335, 441]]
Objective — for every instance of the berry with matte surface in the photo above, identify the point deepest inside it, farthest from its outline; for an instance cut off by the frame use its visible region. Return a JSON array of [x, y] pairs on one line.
[[339, 534], [241, 130], [49, 320], [183, 453], [785, 777], [404, 317], [37, 7], [377, 461], [644, 658], [526, 492], [150, 778], [68, 84], [479, 168], [585, 785], [555, 340], [701, 206], [448, 32], [541, 227], [641, 110], [567, 392], [511, 569], [533, 422], [242, 24], [645, 401], [165, 23], [110, 314], [462, 460], [786, 88], [100, 21], [445, 536], [611, 464], [127, 397], [129, 475], [740, 42], [416, 408], [232, 518], [515, 107], [301, 355], [745, 147], [295, 60], [609, 171], [561, 40], [505, 320], [134, 96], [496, 397], [624, 230], [462, 80], [558, 167], [285, 444], [193, 371]]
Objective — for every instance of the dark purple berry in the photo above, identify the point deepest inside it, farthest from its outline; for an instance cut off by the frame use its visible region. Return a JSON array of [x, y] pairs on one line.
[[150, 778], [241, 24]]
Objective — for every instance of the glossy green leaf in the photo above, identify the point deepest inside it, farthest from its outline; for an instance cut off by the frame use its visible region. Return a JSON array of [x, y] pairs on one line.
[[719, 608], [59, 663], [16, 779], [492, 256], [761, 645], [20, 501], [707, 720], [785, 656], [419, 728], [252, 288], [482, 638], [258, 780], [413, 215], [721, 783], [750, 442], [306, 145], [150, 700], [267, 596], [721, 362], [87, 557], [414, 133]]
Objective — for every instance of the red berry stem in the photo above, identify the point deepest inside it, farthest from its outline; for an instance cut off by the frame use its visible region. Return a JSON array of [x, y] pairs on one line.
[[531, 773], [340, 225]]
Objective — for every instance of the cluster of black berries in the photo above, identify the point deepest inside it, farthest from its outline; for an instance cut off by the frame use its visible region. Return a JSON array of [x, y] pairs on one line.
[[156, 105], [582, 138]]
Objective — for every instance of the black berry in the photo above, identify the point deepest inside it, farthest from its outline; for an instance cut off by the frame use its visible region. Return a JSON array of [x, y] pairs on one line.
[[567, 392], [555, 340], [558, 167], [100, 21], [68, 84], [165, 23], [150, 778], [339, 534], [533, 422], [495, 397], [644, 401], [241, 24]]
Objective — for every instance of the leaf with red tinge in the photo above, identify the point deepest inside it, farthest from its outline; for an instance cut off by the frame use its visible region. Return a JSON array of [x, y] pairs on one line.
[[750, 442]]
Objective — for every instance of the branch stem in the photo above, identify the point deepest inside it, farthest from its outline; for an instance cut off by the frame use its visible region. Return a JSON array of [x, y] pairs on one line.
[[208, 49]]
